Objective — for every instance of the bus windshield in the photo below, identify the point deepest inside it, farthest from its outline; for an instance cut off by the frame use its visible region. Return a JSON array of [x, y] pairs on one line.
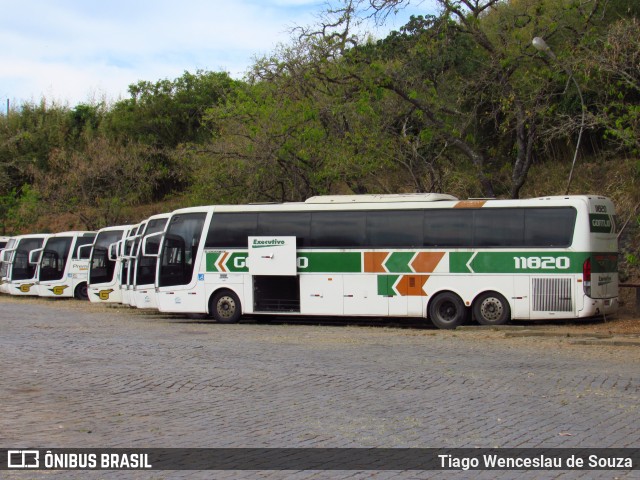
[[54, 258], [146, 266], [22, 269], [102, 269], [179, 249]]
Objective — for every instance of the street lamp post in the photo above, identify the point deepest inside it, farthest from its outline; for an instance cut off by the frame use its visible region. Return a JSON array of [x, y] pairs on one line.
[[542, 46]]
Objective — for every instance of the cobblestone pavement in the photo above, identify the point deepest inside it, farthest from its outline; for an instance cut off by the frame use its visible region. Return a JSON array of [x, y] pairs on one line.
[[81, 375]]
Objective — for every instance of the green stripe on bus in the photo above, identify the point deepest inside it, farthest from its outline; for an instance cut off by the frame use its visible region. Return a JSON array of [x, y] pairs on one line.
[[543, 262], [385, 285], [310, 262], [330, 262], [398, 262], [237, 262], [211, 259], [517, 262]]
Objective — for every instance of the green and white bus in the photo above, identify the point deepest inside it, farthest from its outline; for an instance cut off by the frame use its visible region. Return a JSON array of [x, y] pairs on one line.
[[62, 266], [413, 255]]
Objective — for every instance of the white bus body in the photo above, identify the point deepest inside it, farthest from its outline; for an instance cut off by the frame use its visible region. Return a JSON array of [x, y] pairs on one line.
[[144, 293], [62, 266], [105, 265], [18, 275], [400, 255]]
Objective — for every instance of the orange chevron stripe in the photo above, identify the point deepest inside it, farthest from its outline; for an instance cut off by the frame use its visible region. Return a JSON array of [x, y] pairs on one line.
[[373, 261], [412, 285], [222, 261], [470, 204], [426, 261]]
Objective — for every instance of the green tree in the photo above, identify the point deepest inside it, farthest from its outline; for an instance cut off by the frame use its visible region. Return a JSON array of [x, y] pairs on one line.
[[613, 62], [167, 113]]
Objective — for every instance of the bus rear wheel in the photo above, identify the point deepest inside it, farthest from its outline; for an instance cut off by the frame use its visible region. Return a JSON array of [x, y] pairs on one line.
[[447, 311], [491, 308], [81, 292], [225, 307]]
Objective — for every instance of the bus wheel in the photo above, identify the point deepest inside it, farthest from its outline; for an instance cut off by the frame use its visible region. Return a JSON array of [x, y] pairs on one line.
[[81, 292], [225, 307], [447, 311], [491, 308]]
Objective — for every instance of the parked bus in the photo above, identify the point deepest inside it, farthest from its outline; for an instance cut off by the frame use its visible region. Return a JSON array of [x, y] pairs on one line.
[[105, 265], [126, 249], [18, 275], [417, 255], [62, 265], [144, 293]]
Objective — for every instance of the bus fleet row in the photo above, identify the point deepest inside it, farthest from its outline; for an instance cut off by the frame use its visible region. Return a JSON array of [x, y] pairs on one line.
[[406, 255], [103, 267]]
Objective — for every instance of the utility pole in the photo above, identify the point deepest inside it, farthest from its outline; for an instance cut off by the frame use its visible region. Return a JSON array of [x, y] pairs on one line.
[[540, 45]]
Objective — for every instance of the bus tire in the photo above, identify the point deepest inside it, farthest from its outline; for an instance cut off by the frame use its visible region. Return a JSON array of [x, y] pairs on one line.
[[81, 292], [447, 311], [225, 307], [491, 308]]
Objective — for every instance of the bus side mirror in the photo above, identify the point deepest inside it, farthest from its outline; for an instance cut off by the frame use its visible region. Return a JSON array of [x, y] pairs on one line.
[[114, 248], [151, 244], [35, 256], [84, 251], [7, 255]]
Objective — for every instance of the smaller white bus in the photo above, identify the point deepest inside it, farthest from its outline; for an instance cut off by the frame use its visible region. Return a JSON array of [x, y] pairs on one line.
[[18, 275], [105, 265], [62, 265], [144, 291]]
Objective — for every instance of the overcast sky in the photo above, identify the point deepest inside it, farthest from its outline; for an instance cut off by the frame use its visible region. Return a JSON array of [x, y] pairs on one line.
[[75, 51]]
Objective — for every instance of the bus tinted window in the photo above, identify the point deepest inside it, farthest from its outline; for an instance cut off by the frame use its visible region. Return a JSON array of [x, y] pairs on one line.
[[22, 269], [54, 258], [295, 224], [498, 227], [338, 229], [438, 228], [86, 239], [448, 228], [549, 227], [102, 269], [156, 225], [146, 266], [231, 230], [394, 228]]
